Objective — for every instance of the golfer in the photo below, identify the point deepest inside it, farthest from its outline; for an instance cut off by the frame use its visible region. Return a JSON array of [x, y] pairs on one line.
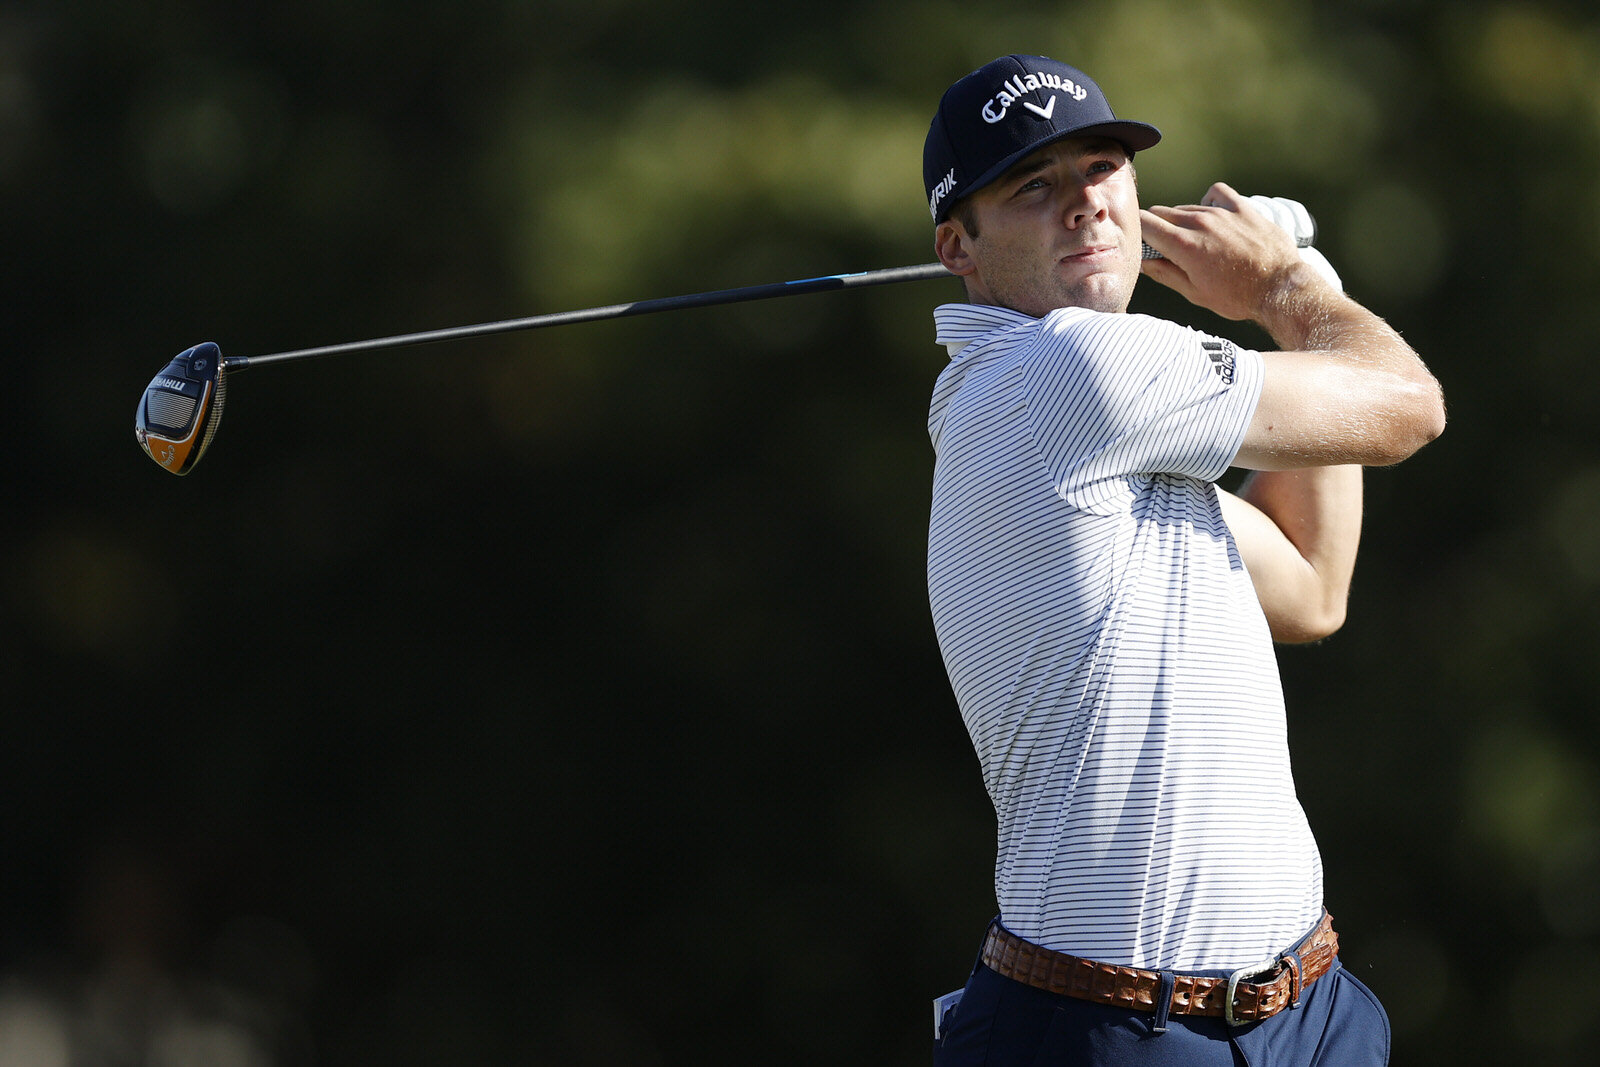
[[1107, 614]]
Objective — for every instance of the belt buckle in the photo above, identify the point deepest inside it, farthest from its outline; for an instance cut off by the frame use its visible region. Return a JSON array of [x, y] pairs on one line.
[[1234, 979]]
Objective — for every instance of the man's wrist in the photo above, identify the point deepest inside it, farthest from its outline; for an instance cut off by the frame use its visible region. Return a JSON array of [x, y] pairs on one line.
[[1298, 307]]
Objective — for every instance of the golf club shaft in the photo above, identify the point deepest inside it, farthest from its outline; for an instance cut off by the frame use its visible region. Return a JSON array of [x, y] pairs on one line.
[[884, 276]]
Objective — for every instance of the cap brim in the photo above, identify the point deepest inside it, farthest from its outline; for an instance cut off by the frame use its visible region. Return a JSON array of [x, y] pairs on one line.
[[1137, 136]]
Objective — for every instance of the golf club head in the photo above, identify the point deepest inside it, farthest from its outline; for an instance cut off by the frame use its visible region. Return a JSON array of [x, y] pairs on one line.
[[180, 409]]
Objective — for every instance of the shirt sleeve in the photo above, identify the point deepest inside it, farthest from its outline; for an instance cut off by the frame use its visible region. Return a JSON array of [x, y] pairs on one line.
[[1112, 398]]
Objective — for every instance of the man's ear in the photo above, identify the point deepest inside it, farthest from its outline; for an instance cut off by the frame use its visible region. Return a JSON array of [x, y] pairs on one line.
[[952, 245]]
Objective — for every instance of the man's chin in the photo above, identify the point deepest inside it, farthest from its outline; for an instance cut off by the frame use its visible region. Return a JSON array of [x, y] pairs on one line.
[[1102, 292]]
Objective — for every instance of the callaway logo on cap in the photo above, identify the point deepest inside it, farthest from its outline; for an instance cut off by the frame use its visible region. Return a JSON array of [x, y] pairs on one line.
[[1006, 109]]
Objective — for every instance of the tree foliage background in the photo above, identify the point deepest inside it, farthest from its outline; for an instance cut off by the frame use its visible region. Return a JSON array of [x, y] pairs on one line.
[[570, 697]]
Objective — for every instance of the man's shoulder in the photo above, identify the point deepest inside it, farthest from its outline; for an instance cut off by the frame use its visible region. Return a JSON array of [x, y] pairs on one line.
[[1099, 342], [1084, 322], [1070, 334]]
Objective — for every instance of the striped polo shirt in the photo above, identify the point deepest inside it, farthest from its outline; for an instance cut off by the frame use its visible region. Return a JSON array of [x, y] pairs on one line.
[[1107, 650]]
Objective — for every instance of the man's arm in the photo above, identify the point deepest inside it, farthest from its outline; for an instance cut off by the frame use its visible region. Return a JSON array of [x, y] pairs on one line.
[[1297, 532], [1345, 391], [1345, 388]]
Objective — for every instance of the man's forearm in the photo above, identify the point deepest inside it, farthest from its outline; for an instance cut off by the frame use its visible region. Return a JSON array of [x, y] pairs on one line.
[[1303, 313], [1344, 387], [1301, 564]]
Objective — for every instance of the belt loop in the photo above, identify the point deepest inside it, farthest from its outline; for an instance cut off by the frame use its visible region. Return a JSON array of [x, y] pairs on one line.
[[1163, 1003], [1297, 968]]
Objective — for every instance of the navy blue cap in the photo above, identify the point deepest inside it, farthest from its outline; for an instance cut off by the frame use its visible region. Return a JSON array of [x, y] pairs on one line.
[[1006, 109]]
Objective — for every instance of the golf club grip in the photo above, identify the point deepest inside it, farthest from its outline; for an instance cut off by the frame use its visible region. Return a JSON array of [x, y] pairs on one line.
[[1146, 252], [884, 276], [1289, 214]]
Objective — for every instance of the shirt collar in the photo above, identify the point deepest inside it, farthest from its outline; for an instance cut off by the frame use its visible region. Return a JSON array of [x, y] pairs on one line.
[[958, 325]]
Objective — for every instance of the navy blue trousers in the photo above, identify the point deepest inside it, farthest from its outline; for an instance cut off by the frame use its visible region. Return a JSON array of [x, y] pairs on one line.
[[1000, 1022]]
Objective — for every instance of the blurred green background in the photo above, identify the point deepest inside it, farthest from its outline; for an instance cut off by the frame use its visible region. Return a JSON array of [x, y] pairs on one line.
[[570, 697]]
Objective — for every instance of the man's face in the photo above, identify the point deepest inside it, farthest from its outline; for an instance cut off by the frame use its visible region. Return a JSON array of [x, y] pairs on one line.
[[1059, 229]]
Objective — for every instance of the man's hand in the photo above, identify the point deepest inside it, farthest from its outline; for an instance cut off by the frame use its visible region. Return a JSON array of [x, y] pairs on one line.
[[1224, 255], [1343, 388]]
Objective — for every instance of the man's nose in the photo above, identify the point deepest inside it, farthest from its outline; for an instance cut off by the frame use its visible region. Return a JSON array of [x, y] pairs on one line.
[[1084, 202]]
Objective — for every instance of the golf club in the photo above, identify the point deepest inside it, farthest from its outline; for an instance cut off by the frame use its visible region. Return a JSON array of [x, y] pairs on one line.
[[178, 414]]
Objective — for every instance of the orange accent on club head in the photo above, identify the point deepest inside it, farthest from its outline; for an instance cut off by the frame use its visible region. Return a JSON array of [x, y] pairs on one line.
[[173, 453]]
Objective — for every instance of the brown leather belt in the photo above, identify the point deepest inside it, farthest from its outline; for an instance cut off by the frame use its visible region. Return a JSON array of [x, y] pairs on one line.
[[1247, 995]]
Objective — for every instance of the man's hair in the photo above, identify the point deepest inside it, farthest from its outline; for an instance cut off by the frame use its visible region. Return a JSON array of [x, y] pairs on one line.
[[962, 212]]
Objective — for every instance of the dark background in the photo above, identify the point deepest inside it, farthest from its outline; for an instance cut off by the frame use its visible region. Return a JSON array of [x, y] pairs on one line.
[[570, 697]]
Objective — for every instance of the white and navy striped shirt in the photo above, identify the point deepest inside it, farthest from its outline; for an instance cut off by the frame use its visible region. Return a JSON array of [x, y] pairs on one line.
[[1106, 647]]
